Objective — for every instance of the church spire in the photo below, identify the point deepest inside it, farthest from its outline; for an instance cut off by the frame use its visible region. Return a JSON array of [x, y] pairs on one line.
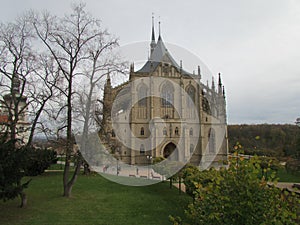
[[159, 34], [199, 72], [220, 84], [153, 34], [213, 84], [153, 44]]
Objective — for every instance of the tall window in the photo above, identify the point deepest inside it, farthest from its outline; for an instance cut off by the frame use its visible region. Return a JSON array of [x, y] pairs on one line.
[[212, 141], [142, 131], [142, 150], [113, 134], [165, 131], [176, 131], [191, 132], [191, 96], [167, 95], [142, 95]]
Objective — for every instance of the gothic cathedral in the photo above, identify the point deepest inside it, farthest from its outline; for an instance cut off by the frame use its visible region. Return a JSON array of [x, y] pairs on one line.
[[165, 112]]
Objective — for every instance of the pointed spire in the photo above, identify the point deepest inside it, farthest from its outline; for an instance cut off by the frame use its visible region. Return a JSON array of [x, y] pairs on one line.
[[220, 84], [152, 44], [153, 34], [223, 91], [159, 33], [180, 66], [199, 72], [213, 84]]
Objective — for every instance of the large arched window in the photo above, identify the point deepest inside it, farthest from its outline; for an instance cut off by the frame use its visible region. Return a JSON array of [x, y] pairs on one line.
[[190, 96], [167, 95], [212, 140], [142, 95]]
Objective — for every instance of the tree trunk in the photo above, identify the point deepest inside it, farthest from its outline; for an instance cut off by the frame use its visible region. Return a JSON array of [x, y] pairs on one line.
[[67, 190], [23, 197], [66, 176], [171, 182], [69, 185]]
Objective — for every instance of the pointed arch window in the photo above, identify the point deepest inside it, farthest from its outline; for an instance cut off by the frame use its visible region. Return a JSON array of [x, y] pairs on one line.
[[191, 96], [176, 131], [212, 141], [167, 95], [142, 149], [142, 131], [113, 134], [142, 95], [191, 132], [165, 131]]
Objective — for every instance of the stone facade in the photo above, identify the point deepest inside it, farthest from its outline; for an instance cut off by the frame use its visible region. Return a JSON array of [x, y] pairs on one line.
[[164, 111]]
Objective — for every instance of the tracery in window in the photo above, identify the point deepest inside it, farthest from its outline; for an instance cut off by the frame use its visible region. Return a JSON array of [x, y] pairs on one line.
[[167, 95]]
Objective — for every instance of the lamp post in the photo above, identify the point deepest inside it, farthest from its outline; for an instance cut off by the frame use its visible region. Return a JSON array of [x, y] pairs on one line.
[[117, 156], [149, 157], [118, 166]]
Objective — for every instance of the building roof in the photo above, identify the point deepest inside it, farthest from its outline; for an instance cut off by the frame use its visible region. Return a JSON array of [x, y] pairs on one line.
[[160, 54]]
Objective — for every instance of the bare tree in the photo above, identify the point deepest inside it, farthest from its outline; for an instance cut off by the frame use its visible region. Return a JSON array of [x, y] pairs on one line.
[[76, 42], [26, 83], [16, 65], [42, 90], [100, 64]]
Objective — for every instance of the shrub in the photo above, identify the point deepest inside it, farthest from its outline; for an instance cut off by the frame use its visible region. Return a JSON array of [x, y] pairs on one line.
[[239, 195], [38, 160]]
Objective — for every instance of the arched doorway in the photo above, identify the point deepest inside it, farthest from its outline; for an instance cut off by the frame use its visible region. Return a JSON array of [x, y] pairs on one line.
[[168, 150]]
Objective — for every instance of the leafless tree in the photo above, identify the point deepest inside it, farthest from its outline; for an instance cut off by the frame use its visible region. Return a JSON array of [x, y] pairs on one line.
[[16, 65], [26, 82], [42, 90], [77, 43]]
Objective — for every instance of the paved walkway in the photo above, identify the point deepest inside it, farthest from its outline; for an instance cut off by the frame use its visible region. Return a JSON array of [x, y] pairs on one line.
[[130, 171], [279, 185], [288, 186]]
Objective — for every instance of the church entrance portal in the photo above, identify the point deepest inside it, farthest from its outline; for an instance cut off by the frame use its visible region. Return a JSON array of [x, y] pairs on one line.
[[168, 150]]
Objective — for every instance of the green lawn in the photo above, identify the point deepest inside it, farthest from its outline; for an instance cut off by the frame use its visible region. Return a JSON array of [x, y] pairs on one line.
[[95, 200], [288, 177]]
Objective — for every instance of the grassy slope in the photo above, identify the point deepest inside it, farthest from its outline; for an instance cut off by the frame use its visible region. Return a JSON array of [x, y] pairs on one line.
[[95, 201], [288, 177]]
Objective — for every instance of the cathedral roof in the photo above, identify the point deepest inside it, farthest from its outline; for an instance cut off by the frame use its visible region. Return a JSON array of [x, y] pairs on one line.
[[159, 54]]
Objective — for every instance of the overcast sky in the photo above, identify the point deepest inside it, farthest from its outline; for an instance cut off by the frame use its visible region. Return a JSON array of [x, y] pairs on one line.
[[255, 44]]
